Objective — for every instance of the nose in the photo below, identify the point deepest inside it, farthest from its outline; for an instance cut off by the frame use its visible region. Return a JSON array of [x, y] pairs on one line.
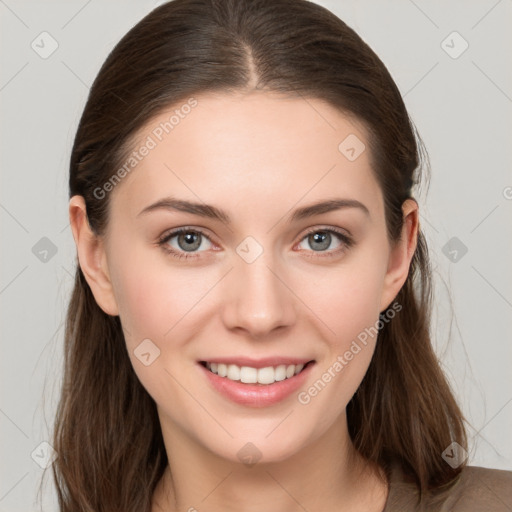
[[257, 299]]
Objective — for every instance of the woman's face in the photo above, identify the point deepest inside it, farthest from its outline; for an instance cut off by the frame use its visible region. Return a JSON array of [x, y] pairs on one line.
[[284, 260]]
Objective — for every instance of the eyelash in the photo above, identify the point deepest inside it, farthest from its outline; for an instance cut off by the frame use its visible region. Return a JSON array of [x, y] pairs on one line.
[[347, 242]]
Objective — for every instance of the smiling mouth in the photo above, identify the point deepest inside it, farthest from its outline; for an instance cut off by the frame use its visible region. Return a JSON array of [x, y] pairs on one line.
[[250, 375]]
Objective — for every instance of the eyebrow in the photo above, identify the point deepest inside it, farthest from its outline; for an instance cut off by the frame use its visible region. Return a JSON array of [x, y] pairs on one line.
[[212, 212]]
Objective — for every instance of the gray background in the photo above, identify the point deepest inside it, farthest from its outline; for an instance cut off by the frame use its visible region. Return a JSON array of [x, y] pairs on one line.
[[461, 105]]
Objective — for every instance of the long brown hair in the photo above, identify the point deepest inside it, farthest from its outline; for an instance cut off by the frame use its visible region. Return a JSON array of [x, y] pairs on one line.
[[110, 451]]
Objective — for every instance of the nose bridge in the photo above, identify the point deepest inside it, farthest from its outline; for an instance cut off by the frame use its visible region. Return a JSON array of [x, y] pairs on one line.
[[257, 300]]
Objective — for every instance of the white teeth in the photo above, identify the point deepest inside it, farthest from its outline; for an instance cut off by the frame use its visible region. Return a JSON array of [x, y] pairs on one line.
[[249, 375], [233, 372], [280, 372], [265, 375], [222, 370]]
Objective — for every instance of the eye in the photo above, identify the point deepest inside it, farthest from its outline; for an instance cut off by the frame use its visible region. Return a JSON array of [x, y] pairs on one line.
[[187, 242], [329, 241], [184, 242]]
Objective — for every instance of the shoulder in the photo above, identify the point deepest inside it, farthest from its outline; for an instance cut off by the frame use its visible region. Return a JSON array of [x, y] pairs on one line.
[[480, 488], [476, 489]]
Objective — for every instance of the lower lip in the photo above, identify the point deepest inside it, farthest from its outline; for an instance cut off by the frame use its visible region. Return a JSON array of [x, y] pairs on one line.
[[257, 395]]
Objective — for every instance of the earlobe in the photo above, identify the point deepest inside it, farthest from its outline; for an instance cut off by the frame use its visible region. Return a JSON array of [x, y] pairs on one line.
[[91, 256], [401, 254]]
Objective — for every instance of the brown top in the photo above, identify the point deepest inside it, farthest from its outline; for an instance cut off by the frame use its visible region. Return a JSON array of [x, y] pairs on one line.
[[477, 489]]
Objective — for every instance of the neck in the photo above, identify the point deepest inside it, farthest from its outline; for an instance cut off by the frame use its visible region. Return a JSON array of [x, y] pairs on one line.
[[328, 474]]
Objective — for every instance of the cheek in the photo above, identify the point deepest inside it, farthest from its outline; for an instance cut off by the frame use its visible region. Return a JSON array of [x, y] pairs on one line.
[[156, 303], [348, 303], [158, 300], [140, 297], [346, 299]]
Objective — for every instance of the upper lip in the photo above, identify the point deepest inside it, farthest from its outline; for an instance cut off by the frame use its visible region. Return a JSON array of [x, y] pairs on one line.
[[258, 363]]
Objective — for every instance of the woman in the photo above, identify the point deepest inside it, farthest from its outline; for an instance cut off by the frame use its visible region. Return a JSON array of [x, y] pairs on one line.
[[249, 327]]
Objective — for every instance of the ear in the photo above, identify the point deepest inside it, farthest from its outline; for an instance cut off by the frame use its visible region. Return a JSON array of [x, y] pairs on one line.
[[401, 254], [91, 256]]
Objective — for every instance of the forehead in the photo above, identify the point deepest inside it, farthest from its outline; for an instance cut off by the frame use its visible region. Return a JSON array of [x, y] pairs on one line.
[[260, 151]]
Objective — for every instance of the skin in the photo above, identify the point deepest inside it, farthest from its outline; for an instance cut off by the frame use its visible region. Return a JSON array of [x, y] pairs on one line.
[[258, 156]]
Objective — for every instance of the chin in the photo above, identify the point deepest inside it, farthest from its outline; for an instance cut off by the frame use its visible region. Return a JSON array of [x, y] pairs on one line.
[[262, 448]]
